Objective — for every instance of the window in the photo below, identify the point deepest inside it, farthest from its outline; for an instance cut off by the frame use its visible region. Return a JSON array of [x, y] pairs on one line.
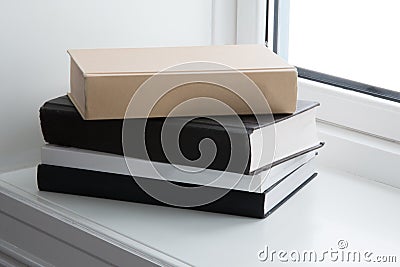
[[352, 44]]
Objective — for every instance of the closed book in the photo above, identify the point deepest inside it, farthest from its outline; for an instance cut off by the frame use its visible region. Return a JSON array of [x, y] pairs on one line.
[[252, 146], [103, 81], [91, 183], [110, 163]]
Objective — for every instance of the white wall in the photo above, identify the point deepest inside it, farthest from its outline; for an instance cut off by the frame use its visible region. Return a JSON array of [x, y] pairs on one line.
[[34, 37]]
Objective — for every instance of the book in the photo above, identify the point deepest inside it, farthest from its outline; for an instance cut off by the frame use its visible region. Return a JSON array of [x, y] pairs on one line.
[[103, 81], [114, 186], [294, 135], [110, 163]]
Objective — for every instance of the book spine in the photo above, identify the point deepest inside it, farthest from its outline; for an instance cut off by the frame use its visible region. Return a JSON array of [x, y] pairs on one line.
[[122, 187], [65, 127]]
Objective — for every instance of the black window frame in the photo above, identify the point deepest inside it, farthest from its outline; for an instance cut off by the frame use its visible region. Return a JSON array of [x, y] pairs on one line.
[[324, 78]]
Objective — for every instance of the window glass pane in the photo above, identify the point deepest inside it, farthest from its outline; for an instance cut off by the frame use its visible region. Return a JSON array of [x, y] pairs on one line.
[[354, 39]]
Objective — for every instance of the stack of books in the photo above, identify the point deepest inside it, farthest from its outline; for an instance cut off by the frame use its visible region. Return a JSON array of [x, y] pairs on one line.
[[88, 152]]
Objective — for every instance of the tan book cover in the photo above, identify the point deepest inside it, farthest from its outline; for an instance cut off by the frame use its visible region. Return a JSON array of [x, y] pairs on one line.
[[104, 81]]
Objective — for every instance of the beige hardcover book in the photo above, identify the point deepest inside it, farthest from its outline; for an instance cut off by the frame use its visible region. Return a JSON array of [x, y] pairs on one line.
[[103, 81]]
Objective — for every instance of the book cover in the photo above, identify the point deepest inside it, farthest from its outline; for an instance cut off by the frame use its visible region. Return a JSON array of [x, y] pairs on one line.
[[62, 125], [103, 81], [123, 187], [111, 163]]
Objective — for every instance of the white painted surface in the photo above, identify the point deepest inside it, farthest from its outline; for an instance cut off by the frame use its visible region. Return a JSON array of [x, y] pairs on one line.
[[360, 154], [35, 67], [361, 132], [251, 21], [353, 110], [224, 17], [335, 206]]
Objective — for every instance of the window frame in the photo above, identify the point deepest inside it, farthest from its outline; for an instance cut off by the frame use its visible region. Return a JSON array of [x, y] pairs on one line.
[[360, 131], [280, 46], [350, 109], [358, 122]]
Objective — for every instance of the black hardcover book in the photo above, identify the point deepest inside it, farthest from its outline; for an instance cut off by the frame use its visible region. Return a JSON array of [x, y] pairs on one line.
[[62, 124], [124, 188]]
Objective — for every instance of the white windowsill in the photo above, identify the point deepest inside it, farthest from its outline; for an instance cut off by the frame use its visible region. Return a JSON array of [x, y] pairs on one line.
[[357, 111], [360, 132], [334, 206]]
